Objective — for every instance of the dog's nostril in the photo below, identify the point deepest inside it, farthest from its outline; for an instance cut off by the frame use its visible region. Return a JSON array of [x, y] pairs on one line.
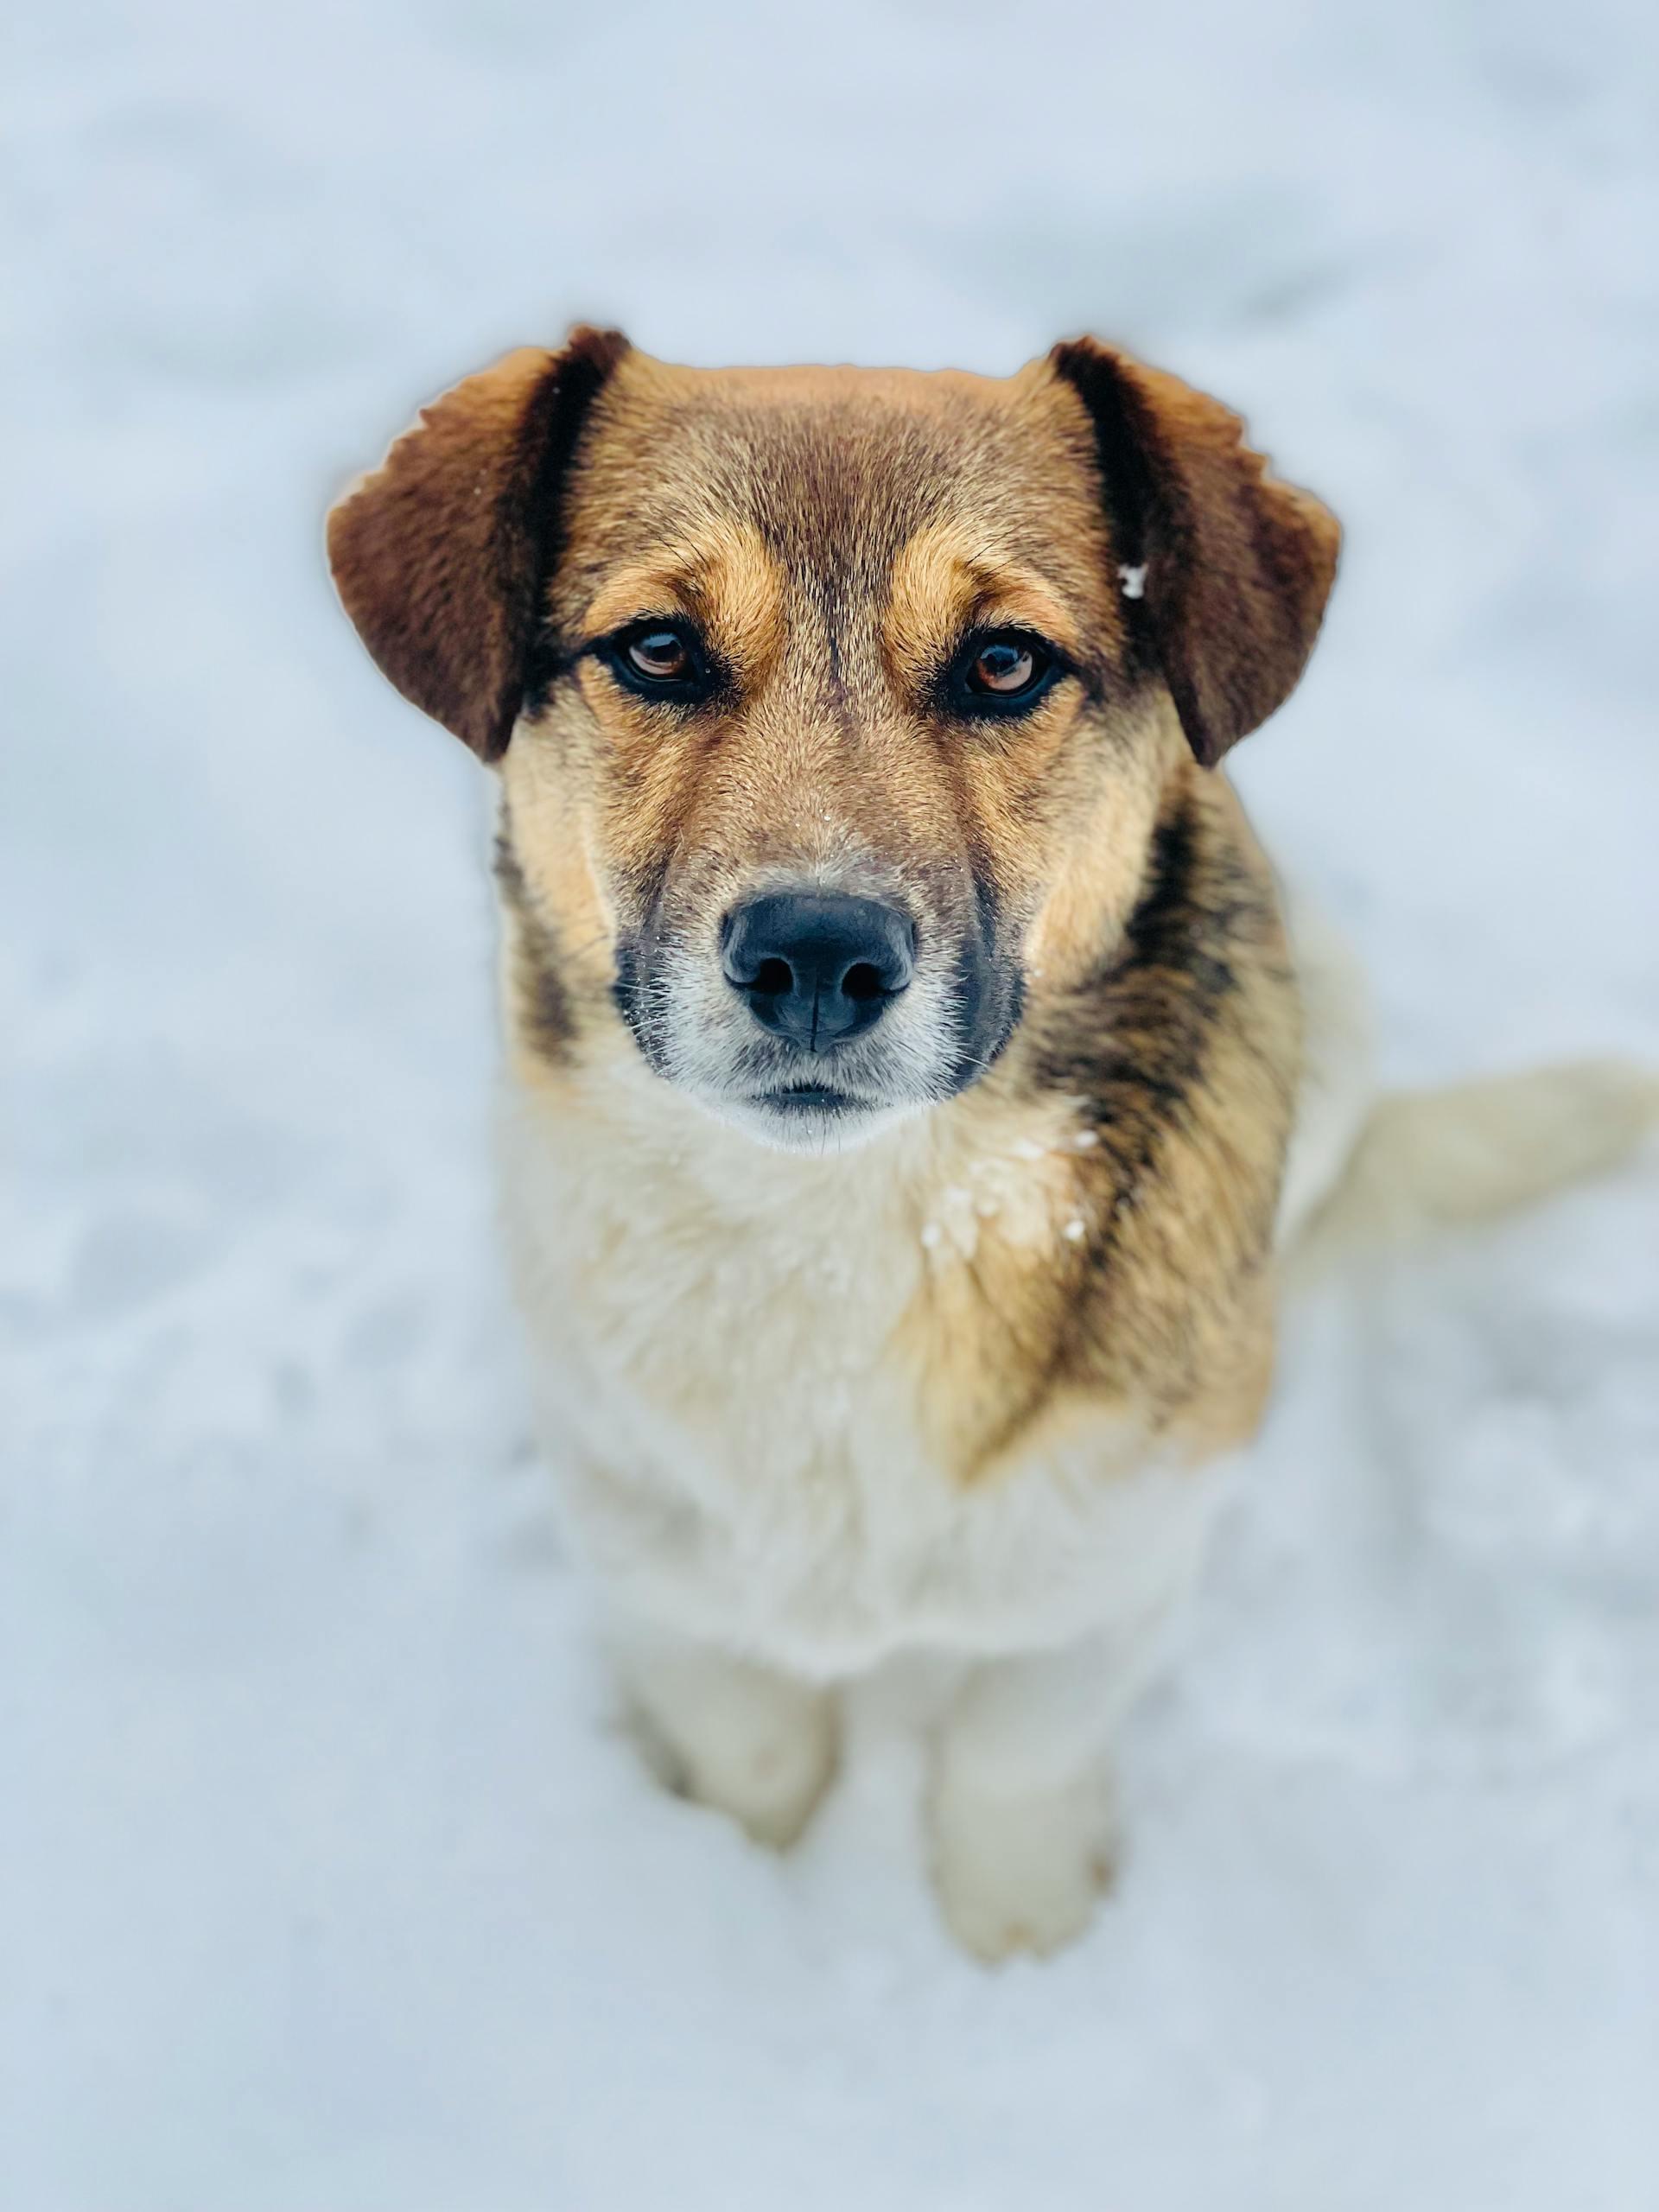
[[861, 980], [773, 977]]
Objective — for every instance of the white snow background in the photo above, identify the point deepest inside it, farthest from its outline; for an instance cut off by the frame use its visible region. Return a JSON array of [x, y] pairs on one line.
[[326, 1883]]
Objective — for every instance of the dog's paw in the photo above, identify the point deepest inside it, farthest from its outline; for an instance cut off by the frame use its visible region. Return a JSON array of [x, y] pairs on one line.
[[1023, 1874], [764, 1758]]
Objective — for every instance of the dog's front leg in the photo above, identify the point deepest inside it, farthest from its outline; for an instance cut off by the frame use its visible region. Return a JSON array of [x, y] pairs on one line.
[[1022, 1813], [756, 1744]]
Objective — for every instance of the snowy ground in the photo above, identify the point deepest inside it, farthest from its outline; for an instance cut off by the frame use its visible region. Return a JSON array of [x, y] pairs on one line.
[[325, 1882]]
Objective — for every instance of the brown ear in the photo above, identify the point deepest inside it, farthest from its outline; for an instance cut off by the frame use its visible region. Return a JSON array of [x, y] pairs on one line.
[[1237, 566], [441, 556]]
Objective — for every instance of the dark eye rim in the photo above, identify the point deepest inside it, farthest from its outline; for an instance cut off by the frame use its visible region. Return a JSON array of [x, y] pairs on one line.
[[701, 677], [1049, 663]]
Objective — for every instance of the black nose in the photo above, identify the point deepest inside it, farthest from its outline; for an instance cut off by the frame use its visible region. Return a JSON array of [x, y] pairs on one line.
[[817, 967]]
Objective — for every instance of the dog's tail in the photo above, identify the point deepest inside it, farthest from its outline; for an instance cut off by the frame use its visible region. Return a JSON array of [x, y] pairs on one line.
[[1368, 1170], [1429, 1160]]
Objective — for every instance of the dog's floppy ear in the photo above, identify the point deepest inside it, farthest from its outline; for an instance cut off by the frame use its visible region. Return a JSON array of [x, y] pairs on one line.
[[1230, 568], [441, 556]]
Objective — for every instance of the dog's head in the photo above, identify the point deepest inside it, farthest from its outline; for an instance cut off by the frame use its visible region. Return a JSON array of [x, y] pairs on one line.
[[833, 706]]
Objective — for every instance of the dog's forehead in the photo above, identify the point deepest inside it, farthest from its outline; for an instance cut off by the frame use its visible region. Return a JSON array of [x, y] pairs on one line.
[[835, 468]]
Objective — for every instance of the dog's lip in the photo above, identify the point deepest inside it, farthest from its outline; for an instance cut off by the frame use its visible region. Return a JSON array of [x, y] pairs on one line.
[[798, 1097]]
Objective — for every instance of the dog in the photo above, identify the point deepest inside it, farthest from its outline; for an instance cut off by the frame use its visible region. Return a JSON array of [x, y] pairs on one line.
[[914, 1099]]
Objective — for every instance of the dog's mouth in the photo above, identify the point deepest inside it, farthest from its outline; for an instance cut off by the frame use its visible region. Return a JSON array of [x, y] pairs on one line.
[[813, 1117], [813, 1097]]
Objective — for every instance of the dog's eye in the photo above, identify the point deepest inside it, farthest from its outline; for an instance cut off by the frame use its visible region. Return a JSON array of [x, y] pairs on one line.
[[662, 660], [1007, 665], [1003, 671], [659, 654]]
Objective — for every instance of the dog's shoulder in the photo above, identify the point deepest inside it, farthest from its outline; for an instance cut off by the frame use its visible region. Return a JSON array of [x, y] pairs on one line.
[[1157, 1093]]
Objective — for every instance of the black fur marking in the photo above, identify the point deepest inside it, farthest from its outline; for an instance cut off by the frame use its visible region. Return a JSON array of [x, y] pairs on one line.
[[631, 994], [1133, 1041], [1127, 487], [546, 1013], [563, 402], [991, 989]]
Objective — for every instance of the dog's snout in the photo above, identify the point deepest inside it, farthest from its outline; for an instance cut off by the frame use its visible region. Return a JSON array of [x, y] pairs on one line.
[[819, 967]]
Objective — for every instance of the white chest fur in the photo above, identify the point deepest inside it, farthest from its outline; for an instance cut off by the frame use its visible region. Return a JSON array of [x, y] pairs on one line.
[[739, 1439]]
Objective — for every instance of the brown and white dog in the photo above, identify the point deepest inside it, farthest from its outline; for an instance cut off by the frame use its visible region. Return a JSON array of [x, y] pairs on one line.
[[909, 1097]]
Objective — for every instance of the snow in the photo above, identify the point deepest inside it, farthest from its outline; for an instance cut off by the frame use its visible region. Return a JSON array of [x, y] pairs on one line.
[[326, 1884]]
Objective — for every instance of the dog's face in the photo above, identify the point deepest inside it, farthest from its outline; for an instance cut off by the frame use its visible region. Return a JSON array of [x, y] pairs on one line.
[[840, 703], [832, 669]]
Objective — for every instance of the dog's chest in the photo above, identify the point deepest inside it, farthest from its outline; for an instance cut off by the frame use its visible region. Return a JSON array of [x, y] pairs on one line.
[[745, 1389], [745, 1337]]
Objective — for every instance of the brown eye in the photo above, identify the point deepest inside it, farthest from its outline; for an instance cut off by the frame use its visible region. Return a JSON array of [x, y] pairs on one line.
[[660, 656], [662, 660], [1002, 672], [1006, 665]]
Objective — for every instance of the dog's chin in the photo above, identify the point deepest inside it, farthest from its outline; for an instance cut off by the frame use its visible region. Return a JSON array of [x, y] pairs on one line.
[[815, 1122]]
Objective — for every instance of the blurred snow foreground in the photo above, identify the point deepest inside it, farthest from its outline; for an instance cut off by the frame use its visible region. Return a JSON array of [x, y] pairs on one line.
[[325, 1881]]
